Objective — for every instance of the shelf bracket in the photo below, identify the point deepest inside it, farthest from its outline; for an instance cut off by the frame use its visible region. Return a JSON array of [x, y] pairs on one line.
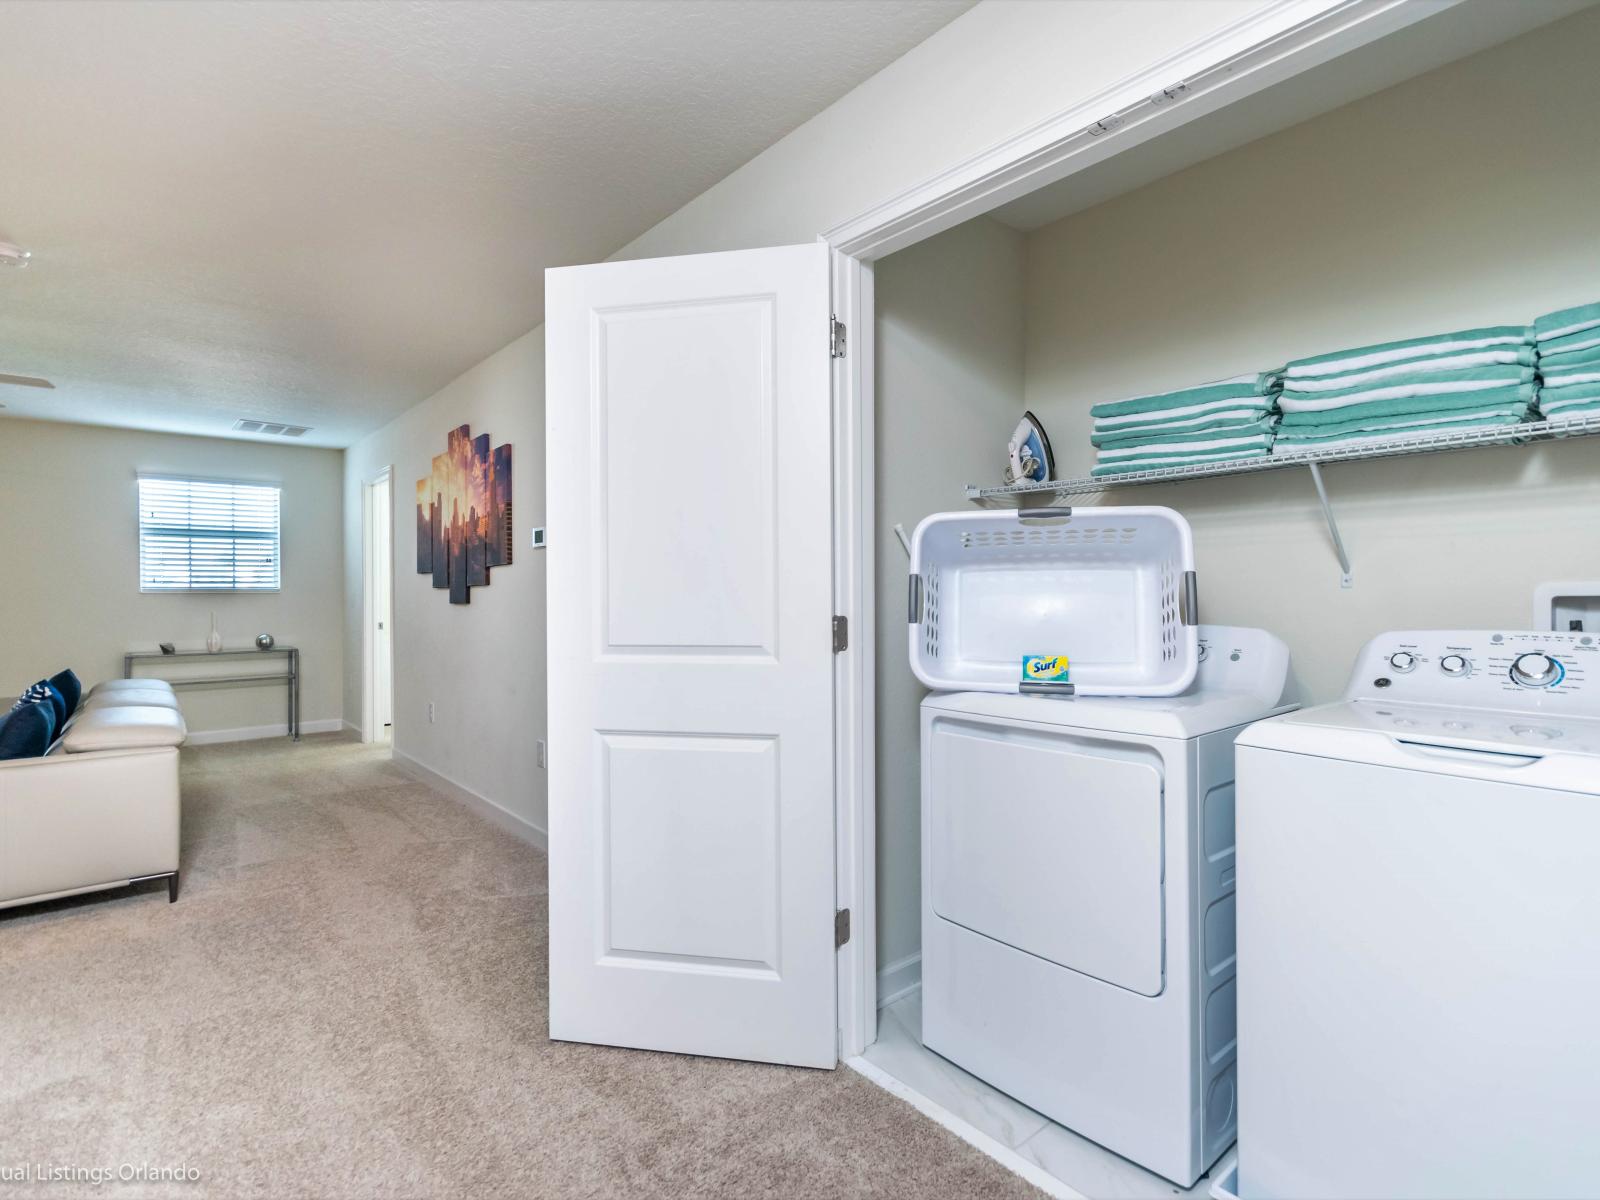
[[1333, 526]]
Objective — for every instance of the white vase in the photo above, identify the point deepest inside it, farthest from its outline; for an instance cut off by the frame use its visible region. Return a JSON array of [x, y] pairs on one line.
[[213, 639]]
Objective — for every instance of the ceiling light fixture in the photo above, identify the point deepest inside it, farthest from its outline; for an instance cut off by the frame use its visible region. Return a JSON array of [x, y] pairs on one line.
[[13, 256]]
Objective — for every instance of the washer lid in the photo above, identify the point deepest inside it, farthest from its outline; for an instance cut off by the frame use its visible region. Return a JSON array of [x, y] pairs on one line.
[[1528, 748]]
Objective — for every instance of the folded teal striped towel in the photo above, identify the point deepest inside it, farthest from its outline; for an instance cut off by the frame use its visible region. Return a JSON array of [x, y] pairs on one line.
[[1584, 339], [1431, 405], [1576, 412], [1193, 460], [1572, 358], [1259, 422], [1417, 383], [1380, 354], [1522, 356], [1553, 406], [1571, 409], [1185, 449], [1566, 321], [1212, 410], [1567, 376], [1499, 414], [1565, 395], [1306, 446], [1241, 387]]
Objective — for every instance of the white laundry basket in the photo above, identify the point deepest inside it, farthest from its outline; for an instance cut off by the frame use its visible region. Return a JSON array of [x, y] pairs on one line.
[[1111, 588]]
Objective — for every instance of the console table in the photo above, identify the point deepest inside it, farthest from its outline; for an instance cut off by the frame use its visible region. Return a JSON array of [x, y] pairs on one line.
[[290, 678]]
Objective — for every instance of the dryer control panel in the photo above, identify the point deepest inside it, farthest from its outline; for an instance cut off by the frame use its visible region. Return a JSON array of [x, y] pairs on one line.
[[1539, 671]]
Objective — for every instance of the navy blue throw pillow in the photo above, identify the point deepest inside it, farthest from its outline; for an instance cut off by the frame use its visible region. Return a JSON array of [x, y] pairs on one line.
[[27, 730], [44, 692], [71, 690]]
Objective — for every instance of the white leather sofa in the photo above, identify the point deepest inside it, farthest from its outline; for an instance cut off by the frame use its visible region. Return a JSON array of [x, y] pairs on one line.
[[100, 810]]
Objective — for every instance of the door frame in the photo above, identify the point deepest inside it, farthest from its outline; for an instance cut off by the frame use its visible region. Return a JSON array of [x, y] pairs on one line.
[[369, 659], [1272, 44]]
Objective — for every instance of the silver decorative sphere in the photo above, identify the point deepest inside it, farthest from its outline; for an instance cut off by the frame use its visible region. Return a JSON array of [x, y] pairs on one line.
[[265, 641]]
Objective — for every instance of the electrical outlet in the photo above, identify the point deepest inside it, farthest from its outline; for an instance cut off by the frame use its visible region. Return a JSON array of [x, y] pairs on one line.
[[430, 712], [538, 752]]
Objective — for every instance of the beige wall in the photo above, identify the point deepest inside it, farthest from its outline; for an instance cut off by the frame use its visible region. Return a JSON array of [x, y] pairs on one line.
[[1464, 197], [70, 548], [949, 379], [989, 74], [482, 663]]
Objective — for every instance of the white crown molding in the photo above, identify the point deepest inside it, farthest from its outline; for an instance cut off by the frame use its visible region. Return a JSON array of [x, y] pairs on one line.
[[1276, 42]]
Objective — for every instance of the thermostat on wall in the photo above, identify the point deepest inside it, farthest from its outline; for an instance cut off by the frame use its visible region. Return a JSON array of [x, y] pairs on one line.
[[538, 538]]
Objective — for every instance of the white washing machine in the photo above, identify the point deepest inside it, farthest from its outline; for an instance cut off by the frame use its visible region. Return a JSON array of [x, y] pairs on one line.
[[1077, 913], [1419, 927]]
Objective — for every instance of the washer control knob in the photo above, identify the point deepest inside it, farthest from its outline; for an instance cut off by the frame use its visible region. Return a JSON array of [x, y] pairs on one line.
[[1535, 670], [1403, 661], [1453, 664]]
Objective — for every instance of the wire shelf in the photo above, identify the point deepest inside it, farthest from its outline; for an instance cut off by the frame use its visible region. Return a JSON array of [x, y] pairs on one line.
[[1030, 495]]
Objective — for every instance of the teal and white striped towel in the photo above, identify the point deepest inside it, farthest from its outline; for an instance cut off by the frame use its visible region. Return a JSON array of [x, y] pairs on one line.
[[1183, 449], [1245, 387], [1522, 356], [1568, 360], [1360, 358], [1501, 414], [1420, 383], [1565, 322], [1584, 339], [1197, 414], [1568, 376], [1576, 408], [1288, 446], [1192, 460], [1259, 422], [1437, 404], [1552, 399]]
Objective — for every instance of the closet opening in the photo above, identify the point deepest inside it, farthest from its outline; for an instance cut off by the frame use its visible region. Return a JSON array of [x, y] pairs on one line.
[[1438, 179]]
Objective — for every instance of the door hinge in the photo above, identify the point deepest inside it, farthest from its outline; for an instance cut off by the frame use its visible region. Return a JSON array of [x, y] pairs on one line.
[[837, 337], [841, 927], [841, 634]]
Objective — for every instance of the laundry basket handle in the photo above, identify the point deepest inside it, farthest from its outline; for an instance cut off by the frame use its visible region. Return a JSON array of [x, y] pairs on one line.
[[1030, 515]]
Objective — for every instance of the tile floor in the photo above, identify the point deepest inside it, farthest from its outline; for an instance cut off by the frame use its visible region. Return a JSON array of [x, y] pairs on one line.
[[1079, 1163]]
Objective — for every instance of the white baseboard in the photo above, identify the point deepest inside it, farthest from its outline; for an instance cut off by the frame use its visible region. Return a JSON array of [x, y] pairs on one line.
[[504, 818], [899, 979], [249, 733], [352, 727]]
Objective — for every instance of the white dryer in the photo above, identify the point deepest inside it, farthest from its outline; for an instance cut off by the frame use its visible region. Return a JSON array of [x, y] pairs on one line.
[[1077, 915], [1419, 927]]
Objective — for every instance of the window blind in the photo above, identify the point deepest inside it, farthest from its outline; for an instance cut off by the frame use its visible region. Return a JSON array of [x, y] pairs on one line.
[[206, 535]]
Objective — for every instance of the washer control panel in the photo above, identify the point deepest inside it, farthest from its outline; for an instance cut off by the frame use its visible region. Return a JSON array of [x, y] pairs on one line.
[[1539, 671]]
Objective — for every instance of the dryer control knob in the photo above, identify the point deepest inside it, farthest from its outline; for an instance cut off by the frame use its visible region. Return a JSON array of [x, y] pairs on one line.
[[1536, 670], [1403, 661], [1453, 664]]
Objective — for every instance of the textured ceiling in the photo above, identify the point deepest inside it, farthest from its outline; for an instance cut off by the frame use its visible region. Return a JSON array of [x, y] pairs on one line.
[[322, 212]]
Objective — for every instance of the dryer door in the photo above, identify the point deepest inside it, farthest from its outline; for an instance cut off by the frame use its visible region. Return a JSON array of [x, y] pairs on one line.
[[1051, 843]]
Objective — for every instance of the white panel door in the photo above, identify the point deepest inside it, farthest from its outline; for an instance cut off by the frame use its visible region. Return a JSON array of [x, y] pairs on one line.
[[690, 655]]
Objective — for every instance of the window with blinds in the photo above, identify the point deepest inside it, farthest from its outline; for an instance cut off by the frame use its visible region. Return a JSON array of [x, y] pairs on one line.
[[207, 535]]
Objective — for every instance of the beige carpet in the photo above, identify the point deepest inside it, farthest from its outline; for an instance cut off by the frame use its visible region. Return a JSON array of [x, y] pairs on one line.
[[348, 1000]]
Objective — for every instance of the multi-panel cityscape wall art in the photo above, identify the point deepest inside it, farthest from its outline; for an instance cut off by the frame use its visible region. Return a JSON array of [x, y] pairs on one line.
[[464, 514]]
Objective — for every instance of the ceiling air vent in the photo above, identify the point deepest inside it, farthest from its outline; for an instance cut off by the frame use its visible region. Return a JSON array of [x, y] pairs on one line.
[[271, 428]]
